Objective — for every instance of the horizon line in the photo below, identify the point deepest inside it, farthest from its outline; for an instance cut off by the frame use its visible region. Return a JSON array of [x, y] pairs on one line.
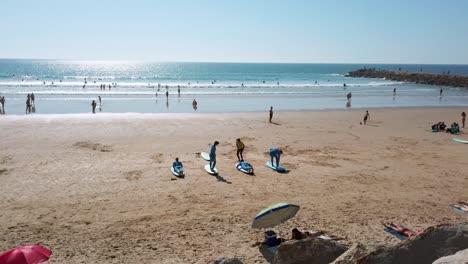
[[231, 62]]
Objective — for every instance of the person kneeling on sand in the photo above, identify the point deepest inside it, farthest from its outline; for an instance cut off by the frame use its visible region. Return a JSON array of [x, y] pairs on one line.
[[400, 229]]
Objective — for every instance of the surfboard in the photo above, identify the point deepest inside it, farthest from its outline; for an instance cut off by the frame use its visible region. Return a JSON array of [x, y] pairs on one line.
[[207, 168], [205, 156], [460, 140], [239, 168], [178, 174], [278, 169]]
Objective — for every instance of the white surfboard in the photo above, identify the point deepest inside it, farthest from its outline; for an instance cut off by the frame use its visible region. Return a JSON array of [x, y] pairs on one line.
[[178, 174], [207, 169], [205, 156], [460, 140], [273, 167]]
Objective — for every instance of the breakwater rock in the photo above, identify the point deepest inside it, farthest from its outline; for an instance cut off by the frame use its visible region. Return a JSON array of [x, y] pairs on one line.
[[419, 78]]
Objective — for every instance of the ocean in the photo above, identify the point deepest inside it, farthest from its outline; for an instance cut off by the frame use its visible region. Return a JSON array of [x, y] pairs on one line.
[[66, 86]]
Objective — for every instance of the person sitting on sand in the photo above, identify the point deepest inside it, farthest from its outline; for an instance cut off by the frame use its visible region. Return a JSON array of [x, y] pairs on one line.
[[454, 129], [177, 166], [400, 229], [298, 235]]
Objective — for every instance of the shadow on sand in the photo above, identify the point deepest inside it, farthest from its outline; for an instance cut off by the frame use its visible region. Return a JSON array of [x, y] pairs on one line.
[[221, 179]]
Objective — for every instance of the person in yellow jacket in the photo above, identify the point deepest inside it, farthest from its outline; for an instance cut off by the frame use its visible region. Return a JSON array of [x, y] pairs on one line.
[[240, 148]]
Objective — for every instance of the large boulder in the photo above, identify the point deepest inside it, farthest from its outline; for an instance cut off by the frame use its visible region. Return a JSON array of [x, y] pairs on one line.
[[427, 247], [355, 252], [308, 251], [227, 260], [461, 257]]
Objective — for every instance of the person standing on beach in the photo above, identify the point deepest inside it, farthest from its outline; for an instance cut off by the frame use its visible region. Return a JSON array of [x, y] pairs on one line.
[[99, 98], [271, 113], [32, 99], [178, 89], [93, 106], [275, 154], [213, 156], [441, 91], [167, 95], [2, 102], [240, 149], [366, 117], [394, 91], [463, 118], [348, 96], [28, 104]]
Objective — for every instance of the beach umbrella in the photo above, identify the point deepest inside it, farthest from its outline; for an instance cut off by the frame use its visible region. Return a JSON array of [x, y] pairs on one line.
[[25, 255], [275, 215]]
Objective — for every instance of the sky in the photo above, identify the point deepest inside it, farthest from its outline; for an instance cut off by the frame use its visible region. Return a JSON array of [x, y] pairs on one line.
[[302, 31]]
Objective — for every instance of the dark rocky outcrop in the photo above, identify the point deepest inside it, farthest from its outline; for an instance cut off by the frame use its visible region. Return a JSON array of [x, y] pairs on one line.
[[434, 243], [420, 78], [308, 251], [357, 251]]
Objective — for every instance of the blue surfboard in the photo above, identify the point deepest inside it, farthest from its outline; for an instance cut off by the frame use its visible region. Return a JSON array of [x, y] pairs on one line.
[[273, 167]]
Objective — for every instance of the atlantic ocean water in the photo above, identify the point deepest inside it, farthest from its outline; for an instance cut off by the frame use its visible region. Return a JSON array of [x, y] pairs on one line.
[[65, 86]]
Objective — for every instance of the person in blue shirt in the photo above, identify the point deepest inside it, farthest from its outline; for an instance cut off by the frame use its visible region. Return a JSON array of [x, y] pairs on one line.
[[213, 155], [177, 165], [275, 153]]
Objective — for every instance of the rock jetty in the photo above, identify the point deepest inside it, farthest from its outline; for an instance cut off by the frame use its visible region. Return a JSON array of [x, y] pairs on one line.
[[419, 78]]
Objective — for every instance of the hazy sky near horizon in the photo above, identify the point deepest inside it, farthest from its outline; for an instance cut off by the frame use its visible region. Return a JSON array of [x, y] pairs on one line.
[[335, 31]]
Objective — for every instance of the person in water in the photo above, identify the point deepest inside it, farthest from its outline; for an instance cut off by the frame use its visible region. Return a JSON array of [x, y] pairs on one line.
[[99, 98], [33, 99], [463, 114], [93, 106], [177, 165], [394, 91], [271, 113], [2, 102], [441, 91], [240, 149], [213, 156], [275, 154], [167, 95], [194, 103]]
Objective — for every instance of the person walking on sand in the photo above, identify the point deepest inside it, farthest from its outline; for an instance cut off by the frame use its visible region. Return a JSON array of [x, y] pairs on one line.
[[240, 149], [275, 154], [366, 117], [93, 106], [2, 102], [271, 113], [463, 114], [213, 156]]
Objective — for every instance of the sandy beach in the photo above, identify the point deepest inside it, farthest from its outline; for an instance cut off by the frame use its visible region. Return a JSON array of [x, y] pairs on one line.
[[98, 188]]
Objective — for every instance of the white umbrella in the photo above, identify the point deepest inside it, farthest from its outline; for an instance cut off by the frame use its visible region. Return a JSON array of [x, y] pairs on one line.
[[275, 215]]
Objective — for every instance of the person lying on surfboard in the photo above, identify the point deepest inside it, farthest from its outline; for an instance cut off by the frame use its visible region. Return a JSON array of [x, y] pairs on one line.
[[177, 165], [275, 153]]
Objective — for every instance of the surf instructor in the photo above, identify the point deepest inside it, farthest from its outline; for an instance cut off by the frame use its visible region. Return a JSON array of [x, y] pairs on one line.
[[213, 155], [275, 153]]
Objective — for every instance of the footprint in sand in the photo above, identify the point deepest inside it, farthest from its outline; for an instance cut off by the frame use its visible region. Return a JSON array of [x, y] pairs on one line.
[[93, 146], [133, 175], [158, 157], [3, 171]]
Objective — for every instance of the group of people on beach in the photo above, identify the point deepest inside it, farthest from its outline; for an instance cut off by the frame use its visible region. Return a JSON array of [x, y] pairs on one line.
[[30, 103], [453, 129]]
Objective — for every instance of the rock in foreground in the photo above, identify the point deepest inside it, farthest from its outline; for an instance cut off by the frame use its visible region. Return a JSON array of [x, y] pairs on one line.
[[308, 251]]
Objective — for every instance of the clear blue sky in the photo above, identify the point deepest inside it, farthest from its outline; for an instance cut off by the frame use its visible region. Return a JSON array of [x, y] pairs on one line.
[[369, 31]]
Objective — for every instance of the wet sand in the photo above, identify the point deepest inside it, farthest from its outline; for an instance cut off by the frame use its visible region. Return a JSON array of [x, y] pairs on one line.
[[98, 188]]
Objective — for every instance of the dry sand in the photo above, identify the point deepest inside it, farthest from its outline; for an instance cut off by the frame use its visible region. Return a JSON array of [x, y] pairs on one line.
[[98, 189]]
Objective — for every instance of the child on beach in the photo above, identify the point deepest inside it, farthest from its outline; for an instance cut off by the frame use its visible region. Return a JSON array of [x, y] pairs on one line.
[[366, 117]]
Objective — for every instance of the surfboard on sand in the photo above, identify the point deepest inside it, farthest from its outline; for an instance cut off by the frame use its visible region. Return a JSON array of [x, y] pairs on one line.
[[207, 169], [205, 156], [460, 140], [247, 171], [273, 167], [178, 173]]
